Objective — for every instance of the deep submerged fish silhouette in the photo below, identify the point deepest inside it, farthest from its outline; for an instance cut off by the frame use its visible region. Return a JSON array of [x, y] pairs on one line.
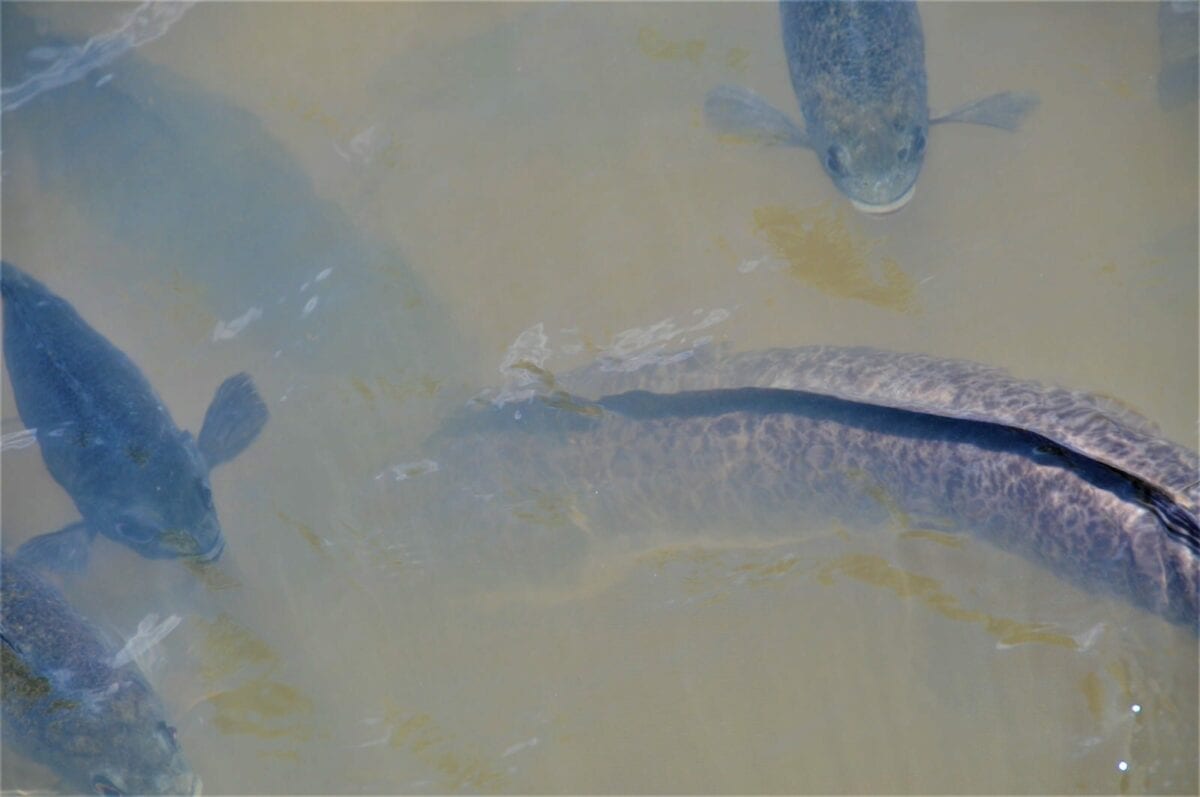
[[108, 439], [68, 703], [1066, 479], [858, 72]]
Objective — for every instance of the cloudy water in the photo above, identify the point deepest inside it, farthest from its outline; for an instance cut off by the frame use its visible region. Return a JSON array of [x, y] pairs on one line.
[[379, 210]]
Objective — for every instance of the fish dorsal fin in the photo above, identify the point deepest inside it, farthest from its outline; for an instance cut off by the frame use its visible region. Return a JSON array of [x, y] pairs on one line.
[[234, 418]]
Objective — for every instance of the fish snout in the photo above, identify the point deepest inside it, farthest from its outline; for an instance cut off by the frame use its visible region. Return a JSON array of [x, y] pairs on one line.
[[213, 553], [885, 208]]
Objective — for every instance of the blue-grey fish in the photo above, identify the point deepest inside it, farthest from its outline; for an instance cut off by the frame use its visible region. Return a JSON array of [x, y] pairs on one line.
[[858, 71], [759, 439], [69, 705], [181, 175], [1179, 49], [109, 440]]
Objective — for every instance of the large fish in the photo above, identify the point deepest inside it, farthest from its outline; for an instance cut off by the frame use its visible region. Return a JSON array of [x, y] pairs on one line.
[[1066, 479], [858, 71], [1179, 49], [109, 440], [70, 704], [177, 174]]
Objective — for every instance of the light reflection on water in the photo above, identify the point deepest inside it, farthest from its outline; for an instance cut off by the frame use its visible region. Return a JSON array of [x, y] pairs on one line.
[[367, 206]]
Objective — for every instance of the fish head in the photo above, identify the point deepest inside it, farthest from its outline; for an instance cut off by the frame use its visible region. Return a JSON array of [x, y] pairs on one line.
[[120, 743], [166, 513], [874, 154]]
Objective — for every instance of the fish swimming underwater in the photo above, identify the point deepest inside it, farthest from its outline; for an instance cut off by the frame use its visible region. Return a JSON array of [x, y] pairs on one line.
[[68, 705], [1065, 479], [178, 174], [1179, 50], [108, 439], [858, 72]]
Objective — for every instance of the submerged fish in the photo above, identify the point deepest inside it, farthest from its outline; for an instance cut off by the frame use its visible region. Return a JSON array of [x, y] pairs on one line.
[[108, 439], [67, 705], [178, 174], [1179, 48], [1065, 479], [858, 71]]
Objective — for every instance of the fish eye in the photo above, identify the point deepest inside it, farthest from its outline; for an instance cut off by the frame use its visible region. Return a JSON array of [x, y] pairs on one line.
[[169, 734], [918, 142], [833, 161], [102, 785], [133, 531], [914, 148], [206, 494]]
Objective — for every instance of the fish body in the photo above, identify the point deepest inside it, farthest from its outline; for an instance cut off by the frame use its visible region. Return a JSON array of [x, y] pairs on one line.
[[858, 73], [1178, 48], [69, 706], [849, 434], [107, 437], [178, 174]]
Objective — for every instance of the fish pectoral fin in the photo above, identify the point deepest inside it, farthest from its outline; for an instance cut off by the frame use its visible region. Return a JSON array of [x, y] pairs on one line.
[[234, 418], [735, 111], [65, 550], [1005, 110]]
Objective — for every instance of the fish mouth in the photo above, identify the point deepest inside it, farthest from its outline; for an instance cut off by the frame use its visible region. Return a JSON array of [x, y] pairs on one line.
[[887, 207], [213, 553]]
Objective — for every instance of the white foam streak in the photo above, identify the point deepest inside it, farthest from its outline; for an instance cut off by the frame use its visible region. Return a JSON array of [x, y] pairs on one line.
[[145, 23]]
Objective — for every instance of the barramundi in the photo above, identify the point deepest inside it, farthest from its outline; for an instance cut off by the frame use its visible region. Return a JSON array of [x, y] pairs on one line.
[[858, 72], [108, 439], [72, 704]]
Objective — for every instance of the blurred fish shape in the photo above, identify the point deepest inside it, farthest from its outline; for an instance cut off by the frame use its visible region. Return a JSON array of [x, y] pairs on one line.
[[858, 72], [108, 439], [179, 174], [69, 705], [1179, 50]]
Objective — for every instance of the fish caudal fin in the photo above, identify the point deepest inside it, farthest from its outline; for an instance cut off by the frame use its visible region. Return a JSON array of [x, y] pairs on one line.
[[234, 418], [1005, 110], [735, 111], [65, 550]]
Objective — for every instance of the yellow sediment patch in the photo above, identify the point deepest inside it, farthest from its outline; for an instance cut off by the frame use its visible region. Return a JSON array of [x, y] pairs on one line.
[[396, 391], [820, 250], [229, 647], [420, 735], [259, 706], [306, 531], [654, 45], [263, 708], [735, 59], [1093, 692], [877, 571]]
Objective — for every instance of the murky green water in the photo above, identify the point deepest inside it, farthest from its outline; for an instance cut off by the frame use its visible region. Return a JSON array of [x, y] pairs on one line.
[[372, 208]]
